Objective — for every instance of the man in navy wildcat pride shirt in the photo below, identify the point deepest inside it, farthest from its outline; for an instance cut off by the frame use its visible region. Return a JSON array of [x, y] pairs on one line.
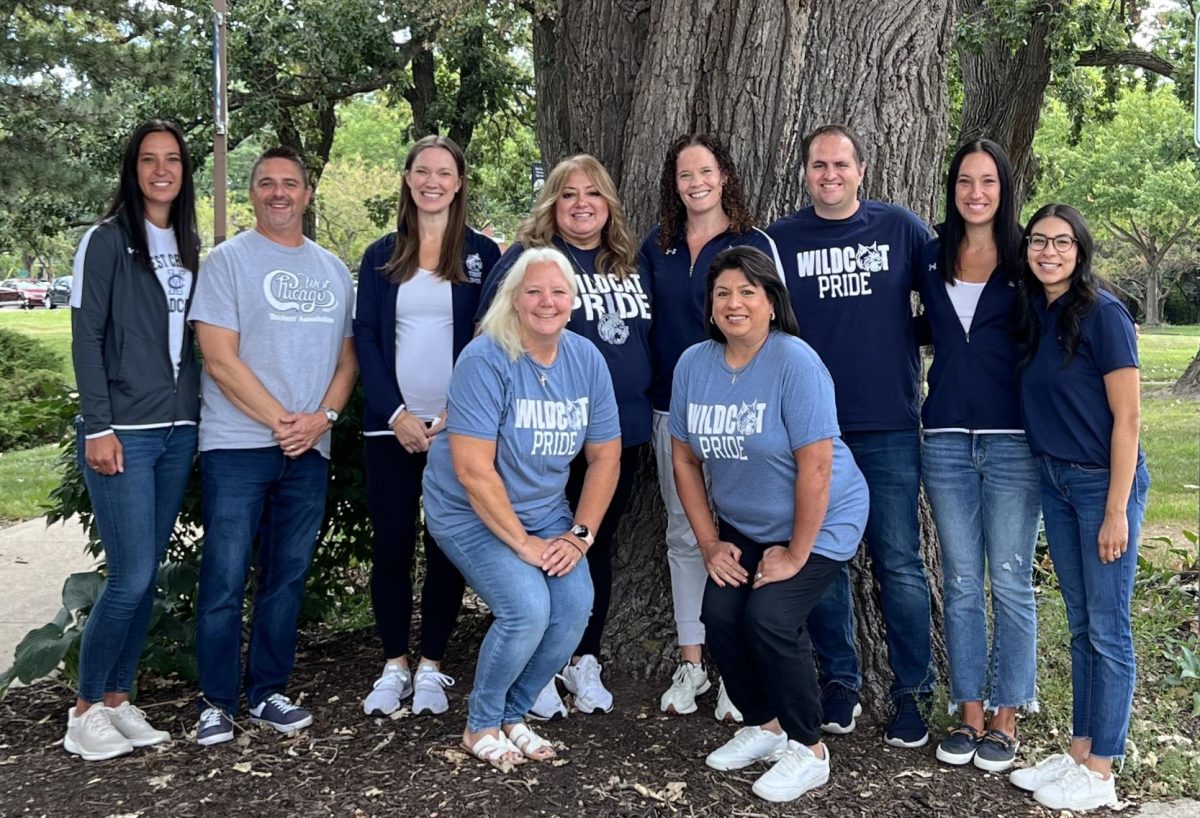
[[849, 266]]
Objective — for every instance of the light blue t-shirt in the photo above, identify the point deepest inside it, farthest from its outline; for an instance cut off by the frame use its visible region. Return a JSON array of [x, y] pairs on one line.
[[745, 425], [539, 417]]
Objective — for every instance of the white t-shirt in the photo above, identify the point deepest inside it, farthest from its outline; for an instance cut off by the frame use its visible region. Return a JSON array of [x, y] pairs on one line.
[[176, 281], [424, 343], [964, 295]]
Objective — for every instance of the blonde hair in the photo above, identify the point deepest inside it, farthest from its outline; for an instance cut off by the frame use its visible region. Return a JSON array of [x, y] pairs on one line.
[[500, 322], [618, 247]]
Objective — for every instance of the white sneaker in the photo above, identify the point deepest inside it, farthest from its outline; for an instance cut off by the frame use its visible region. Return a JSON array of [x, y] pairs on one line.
[[391, 688], [797, 772], [726, 711], [549, 704], [1049, 769], [748, 745], [93, 737], [429, 690], [131, 722], [583, 681], [688, 682], [1077, 790]]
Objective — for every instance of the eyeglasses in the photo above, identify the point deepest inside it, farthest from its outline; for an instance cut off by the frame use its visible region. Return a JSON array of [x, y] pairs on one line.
[[1037, 242]]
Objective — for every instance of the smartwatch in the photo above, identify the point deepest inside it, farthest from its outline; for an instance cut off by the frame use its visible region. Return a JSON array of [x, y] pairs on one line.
[[584, 533]]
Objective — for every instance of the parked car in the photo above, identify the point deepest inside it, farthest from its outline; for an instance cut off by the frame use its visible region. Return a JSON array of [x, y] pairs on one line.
[[10, 296], [33, 293], [60, 292]]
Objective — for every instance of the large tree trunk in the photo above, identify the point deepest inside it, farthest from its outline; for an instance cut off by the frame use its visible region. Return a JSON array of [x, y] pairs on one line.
[[1189, 381], [623, 79], [1003, 89]]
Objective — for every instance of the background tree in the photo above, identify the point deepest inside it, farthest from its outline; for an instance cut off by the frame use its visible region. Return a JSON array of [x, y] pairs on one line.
[[1135, 178], [622, 80]]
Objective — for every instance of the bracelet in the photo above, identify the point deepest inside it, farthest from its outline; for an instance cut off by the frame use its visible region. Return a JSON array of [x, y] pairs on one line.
[[573, 545]]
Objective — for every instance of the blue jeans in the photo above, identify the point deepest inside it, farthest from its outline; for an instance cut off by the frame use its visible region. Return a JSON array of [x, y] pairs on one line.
[[249, 492], [1097, 595], [985, 494], [539, 620], [135, 512], [890, 462]]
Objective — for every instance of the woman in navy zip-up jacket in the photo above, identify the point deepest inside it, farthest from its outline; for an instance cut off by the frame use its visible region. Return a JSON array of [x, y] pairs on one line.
[[702, 211], [979, 474], [418, 289]]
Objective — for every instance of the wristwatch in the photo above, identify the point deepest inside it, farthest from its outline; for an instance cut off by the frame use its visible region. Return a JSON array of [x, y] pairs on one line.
[[584, 533], [331, 415]]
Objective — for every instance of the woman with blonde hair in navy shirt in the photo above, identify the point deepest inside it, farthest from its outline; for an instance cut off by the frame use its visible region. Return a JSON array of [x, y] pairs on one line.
[[702, 211], [980, 476], [417, 293], [1081, 402]]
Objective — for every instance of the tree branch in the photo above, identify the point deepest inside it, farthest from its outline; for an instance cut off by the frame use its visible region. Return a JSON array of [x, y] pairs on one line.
[[1136, 57]]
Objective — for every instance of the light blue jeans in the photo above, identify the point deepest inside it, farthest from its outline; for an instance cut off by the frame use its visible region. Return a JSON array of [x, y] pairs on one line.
[[985, 494], [539, 621], [1098, 597]]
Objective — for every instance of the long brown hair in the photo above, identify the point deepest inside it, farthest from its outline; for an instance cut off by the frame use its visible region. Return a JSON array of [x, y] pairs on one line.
[[672, 214], [618, 249], [406, 255]]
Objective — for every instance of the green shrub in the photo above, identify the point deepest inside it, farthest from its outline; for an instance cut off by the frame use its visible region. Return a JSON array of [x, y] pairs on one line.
[[35, 406], [335, 581]]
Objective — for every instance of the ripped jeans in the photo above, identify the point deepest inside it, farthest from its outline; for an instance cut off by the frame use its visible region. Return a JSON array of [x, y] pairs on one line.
[[985, 494]]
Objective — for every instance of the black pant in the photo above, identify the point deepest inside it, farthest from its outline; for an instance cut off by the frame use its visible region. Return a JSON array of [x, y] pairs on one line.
[[393, 491], [600, 554], [759, 640]]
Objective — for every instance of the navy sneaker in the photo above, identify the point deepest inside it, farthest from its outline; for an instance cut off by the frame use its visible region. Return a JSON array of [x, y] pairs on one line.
[[839, 709], [278, 711], [215, 727], [996, 751], [908, 726], [959, 747]]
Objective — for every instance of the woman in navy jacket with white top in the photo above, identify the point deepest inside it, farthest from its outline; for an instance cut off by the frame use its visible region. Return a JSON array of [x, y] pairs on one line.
[[702, 211], [981, 479], [418, 290], [1081, 403]]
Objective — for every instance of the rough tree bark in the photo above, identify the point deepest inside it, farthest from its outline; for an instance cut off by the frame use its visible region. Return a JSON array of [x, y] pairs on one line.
[[622, 79], [1189, 382]]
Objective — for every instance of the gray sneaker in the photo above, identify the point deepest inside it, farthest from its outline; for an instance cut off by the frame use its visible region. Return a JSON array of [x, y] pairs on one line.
[[278, 711], [131, 722], [214, 727]]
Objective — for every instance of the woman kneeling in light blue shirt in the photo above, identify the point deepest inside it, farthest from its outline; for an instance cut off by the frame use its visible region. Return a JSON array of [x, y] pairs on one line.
[[526, 397], [755, 407]]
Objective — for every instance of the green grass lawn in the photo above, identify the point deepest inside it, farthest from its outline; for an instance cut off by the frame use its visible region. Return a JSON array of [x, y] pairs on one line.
[[51, 327], [26, 479], [1170, 429]]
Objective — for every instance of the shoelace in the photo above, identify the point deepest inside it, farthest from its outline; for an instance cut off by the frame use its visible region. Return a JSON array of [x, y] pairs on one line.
[[134, 713], [681, 672], [282, 703], [211, 717], [1075, 778], [589, 674], [390, 678], [432, 678], [999, 737], [102, 727]]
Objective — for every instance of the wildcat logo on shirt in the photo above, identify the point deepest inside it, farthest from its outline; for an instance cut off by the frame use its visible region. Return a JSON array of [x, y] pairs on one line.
[[474, 265], [295, 292], [609, 300], [556, 424], [843, 272], [721, 430]]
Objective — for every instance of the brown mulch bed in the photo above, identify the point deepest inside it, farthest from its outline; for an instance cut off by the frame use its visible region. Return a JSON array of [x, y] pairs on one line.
[[632, 762]]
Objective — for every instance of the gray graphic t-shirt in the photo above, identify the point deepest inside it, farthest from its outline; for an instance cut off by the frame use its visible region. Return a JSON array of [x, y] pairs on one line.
[[292, 308]]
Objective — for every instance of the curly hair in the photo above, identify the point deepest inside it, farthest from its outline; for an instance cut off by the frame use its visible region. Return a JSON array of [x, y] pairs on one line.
[[672, 214], [618, 254]]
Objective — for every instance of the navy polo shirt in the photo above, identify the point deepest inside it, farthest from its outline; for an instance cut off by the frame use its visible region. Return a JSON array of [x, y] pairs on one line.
[[677, 285], [1066, 406], [973, 381], [851, 282], [614, 315]]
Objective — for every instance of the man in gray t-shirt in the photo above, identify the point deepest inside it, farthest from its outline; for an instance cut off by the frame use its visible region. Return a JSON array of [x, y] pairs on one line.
[[272, 313]]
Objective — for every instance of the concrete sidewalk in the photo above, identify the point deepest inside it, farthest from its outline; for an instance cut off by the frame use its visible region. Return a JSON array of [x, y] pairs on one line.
[[35, 561]]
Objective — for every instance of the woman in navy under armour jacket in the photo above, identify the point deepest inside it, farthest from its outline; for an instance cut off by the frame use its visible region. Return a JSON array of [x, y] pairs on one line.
[[981, 479], [418, 289], [702, 211]]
